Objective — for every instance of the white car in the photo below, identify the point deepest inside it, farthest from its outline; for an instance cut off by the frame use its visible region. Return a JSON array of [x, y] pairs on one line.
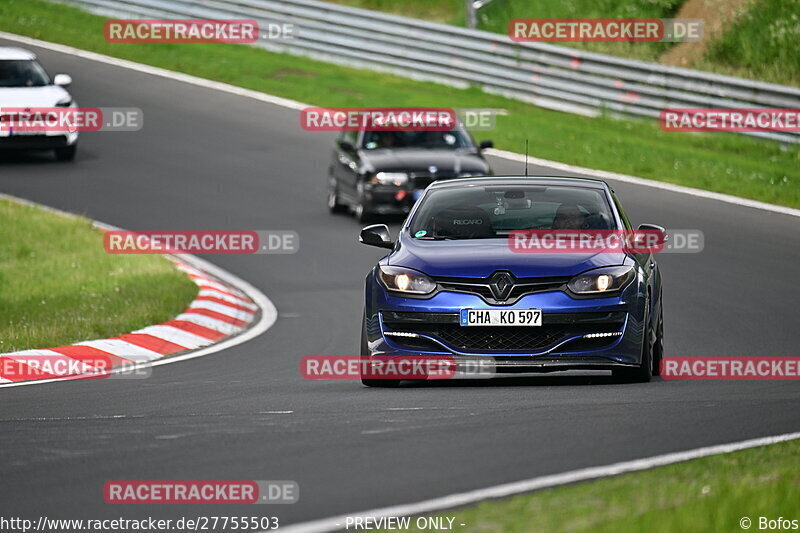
[[25, 84]]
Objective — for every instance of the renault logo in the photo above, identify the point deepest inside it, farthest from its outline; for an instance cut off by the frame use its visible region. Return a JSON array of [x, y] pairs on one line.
[[501, 284]]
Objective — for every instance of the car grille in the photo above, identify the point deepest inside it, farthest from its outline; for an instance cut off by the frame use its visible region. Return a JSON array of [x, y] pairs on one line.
[[423, 179], [522, 287], [556, 329]]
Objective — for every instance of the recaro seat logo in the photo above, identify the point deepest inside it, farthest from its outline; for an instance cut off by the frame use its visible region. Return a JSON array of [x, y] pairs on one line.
[[466, 221]]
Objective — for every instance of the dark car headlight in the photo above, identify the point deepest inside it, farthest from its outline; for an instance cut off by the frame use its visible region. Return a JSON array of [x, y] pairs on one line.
[[602, 280], [400, 279], [389, 178]]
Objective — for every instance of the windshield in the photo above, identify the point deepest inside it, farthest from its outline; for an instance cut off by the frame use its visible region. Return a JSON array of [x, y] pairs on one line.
[[452, 139], [495, 211], [22, 73]]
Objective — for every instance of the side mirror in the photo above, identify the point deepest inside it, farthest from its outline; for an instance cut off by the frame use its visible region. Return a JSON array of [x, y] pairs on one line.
[[62, 80], [376, 235], [347, 146], [648, 240], [486, 144]]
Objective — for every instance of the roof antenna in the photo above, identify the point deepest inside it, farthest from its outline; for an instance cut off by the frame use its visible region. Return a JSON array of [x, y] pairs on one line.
[[526, 157]]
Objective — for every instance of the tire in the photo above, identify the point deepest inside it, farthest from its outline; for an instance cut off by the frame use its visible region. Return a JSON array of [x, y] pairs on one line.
[[67, 153], [383, 383], [361, 213], [644, 372], [658, 343], [334, 206]]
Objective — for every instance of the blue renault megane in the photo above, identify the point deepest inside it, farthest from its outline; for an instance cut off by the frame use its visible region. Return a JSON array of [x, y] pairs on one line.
[[453, 286]]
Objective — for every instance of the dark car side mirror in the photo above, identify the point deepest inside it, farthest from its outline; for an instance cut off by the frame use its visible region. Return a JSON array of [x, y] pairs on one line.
[[347, 146], [486, 144], [376, 235]]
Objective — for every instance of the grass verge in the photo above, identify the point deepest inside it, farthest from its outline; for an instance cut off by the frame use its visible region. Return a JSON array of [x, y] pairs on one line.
[[727, 163], [710, 495], [58, 286], [764, 44]]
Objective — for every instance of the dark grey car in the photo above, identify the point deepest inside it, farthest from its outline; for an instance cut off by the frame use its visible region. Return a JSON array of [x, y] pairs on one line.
[[383, 172]]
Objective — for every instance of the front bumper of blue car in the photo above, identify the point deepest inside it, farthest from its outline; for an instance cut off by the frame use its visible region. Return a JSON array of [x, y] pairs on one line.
[[576, 333]]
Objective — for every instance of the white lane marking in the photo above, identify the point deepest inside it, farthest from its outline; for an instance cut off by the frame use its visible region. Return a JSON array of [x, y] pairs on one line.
[[123, 349], [228, 298], [606, 175], [293, 104], [223, 309], [205, 282], [189, 270], [175, 335], [336, 523], [210, 323]]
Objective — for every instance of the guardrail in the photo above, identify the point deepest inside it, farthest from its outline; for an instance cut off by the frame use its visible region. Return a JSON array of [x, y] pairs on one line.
[[546, 75]]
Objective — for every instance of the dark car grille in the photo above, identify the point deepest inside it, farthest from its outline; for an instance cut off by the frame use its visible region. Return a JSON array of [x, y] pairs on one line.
[[522, 287], [556, 329], [423, 179]]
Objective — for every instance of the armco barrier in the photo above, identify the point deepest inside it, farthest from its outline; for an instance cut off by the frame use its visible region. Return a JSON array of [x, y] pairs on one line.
[[551, 76]]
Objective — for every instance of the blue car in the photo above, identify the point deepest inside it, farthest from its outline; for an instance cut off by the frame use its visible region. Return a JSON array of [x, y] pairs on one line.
[[453, 286]]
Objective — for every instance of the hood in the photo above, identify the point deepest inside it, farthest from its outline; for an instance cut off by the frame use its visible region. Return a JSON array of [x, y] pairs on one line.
[[481, 258], [46, 96], [447, 162]]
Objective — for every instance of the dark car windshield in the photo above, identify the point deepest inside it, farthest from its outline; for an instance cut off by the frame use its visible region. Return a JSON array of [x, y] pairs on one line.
[[22, 73], [452, 139], [485, 212]]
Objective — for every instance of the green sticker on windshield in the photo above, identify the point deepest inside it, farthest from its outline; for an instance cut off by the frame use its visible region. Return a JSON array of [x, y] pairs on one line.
[[420, 233]]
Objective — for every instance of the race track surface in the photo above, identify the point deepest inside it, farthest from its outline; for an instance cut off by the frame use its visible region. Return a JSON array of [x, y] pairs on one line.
[[210, 160]]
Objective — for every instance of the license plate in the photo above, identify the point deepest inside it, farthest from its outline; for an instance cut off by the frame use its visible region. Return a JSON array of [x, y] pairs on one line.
[[501, 317]]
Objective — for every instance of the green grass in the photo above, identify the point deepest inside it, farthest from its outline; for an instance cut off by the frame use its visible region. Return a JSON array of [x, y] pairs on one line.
[[58, 286], [727, 163], [709, 495], [764, 44]]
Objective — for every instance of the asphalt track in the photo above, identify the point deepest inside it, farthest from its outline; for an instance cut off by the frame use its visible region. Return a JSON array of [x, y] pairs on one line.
[[210, 160]]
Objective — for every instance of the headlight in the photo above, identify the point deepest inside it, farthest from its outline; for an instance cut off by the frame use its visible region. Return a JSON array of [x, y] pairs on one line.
[[601, 280], [405, 280], [469, 174], [390, 178]]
